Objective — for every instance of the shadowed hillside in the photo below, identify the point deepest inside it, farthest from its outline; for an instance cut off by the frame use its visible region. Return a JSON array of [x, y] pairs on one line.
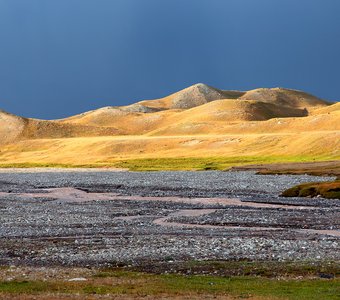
[[284, 97]]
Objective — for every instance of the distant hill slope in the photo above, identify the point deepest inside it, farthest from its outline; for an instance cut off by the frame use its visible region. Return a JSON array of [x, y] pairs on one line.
[[197, 109], [200, 103], [11, 127], [240, 110], [40, 129]]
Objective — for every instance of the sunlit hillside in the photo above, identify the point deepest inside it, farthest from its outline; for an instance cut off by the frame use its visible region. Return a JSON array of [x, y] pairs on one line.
[[199, 121]]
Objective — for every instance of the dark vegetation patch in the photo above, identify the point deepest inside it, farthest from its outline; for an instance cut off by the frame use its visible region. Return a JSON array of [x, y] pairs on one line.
[[315, 168], [329, 190]]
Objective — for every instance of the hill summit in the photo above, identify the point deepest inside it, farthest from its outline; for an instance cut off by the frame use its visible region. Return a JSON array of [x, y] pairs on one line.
[[199, 94]]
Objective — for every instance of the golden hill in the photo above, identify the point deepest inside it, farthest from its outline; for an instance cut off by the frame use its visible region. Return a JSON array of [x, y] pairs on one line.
[[199, 121], [200, 103]]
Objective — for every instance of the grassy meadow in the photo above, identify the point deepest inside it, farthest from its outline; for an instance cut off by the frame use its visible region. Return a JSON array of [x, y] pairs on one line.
[[151, 286]]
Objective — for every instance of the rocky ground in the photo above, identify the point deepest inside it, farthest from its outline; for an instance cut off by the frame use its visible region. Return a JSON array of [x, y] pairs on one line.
[[90, 218]]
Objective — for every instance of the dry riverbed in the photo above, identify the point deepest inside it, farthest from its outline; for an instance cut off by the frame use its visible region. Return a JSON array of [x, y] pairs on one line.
[[105, 219]]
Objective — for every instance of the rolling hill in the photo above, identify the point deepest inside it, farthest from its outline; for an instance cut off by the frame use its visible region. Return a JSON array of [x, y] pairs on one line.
[[199, 121]]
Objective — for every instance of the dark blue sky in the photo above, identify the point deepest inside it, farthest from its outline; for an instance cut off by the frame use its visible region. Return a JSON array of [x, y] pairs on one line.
[[62, 57]]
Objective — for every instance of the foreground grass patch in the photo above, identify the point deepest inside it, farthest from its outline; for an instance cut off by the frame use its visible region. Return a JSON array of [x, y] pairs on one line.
[[140, 284]]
